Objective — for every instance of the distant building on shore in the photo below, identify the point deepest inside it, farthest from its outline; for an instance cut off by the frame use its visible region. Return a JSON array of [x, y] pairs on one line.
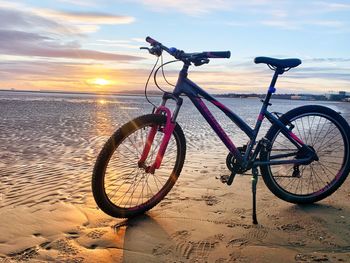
[[340, 96]]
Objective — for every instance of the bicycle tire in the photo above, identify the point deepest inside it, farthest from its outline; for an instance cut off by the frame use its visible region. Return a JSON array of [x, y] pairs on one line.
[[331, 177], [123, 164]]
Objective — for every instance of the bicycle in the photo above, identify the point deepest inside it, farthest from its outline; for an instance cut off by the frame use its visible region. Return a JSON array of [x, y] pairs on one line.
[[303, 158]]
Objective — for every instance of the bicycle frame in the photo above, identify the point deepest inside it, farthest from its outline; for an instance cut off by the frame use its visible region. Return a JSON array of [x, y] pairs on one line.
[[195, 94]]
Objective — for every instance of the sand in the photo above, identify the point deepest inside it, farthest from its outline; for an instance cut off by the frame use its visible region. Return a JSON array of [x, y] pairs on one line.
[[47, 212], [202, 221]]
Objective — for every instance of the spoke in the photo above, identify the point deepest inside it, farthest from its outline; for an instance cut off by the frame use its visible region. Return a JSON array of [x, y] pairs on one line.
[[155, 181], [116, 189], [127, 185], [333, 162], [322, 147], [124, 156], [319, 134], [324, 136], [315, 177], [298, 183], [311, 129], [132, 186], [311, 178], [317, 130], [302, 177], [292, 179], [133, 144], [304, 131], [133, 153], [120, 178], [328, 169], [296, 125], [324, 171]]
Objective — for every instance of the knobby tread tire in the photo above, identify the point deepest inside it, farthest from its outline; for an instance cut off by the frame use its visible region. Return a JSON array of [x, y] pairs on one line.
[[274, 187], [109, 148]]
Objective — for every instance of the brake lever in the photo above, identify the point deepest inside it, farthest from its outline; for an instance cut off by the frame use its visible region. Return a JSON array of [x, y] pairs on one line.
[[156, 50], [201, 62], [147, 48]]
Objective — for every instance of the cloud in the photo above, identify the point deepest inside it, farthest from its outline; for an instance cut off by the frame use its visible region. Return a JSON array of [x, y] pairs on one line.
[[293, 24], [19, 16], [33, 32], [329, 6], [20, 43], [86, 18], [189, 7], [17, 19], [327, 59], [79, 2], [69, 76], [74, 76]]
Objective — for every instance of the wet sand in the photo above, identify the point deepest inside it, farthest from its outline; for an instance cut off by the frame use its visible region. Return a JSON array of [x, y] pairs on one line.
[[47, 212]]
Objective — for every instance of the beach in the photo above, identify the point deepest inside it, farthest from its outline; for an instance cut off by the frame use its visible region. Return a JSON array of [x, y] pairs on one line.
[[48, 146]]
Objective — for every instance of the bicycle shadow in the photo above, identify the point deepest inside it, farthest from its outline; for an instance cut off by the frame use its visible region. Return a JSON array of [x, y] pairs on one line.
[[319, 208], [144, 239], [332, 217]]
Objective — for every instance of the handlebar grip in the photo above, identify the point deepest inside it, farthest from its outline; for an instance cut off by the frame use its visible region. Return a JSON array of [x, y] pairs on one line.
[[218, 54], [152, 41]]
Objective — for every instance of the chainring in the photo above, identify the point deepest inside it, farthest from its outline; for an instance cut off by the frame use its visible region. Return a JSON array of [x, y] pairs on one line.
[[231, 162]]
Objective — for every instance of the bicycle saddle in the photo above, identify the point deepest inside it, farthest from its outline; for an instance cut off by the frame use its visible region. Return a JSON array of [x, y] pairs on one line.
[[279, 63]]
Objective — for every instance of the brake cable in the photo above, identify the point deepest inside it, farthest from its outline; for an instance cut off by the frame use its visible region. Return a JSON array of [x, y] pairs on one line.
[[156, 72], [146, 85], [163, 70]]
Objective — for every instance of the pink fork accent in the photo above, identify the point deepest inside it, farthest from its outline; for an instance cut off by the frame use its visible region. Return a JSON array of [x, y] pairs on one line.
[[168, 130]]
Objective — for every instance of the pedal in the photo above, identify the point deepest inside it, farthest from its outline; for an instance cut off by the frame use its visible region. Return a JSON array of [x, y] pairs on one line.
[[230, 179], [224, 178]]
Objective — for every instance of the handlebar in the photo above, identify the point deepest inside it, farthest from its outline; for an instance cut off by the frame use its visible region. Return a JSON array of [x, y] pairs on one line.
[[197, 59], [152, 41]]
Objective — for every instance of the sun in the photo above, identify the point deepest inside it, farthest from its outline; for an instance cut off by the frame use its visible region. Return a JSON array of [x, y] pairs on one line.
[[100, 82]]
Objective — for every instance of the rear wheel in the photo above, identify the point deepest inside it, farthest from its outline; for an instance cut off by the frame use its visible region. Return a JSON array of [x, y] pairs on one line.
[[327, 133], [123, 189]]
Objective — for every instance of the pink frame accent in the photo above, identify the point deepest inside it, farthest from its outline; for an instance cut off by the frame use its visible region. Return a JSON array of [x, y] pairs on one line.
[[296, 138]]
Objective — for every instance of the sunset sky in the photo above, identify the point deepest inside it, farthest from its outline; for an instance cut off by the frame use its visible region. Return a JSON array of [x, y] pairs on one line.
[[90, 45]]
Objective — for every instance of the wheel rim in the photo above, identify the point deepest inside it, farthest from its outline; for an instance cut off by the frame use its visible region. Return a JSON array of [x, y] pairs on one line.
[[127, 185], [327, 138]]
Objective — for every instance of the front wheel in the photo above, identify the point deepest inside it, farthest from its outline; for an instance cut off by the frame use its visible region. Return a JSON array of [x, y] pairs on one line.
[[327, 133], [123, 189]]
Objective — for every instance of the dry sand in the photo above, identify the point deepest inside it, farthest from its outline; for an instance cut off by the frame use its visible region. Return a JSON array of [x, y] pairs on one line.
[[47, 212], [201, 220]]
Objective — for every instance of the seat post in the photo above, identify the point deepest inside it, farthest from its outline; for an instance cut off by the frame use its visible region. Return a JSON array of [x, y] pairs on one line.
[[272, 88], [275, 76]]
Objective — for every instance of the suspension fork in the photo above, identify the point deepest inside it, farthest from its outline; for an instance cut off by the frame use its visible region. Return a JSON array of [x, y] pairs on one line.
[[167, 130]]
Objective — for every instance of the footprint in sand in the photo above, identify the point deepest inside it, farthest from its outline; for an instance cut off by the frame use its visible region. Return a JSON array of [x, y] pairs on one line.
[[72, 235], [291, 227], [256, 233], [195, 251], [311, 258], [185, 249], [179, 235], [237, 242], [25, 255], [210, 200], [96, 234], [297, 243], [65, 247]]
